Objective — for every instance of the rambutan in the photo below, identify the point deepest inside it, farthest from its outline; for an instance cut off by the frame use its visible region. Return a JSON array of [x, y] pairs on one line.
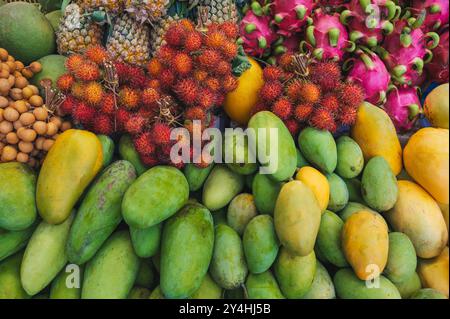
[[154, 67], [175, 35], [220, 99], [161, 133], [83, 113], [273, 73], [193, 42], [230, 83], [326, 74], [351, 94], [282, 108], [323, 120], [108, 105], [187, 90], [137, 76], [293, 126], [213, 84], [122, 71], [187, 24], [77, 90], [347, 115], [195, 113], [129, 98], [103, 124], [303, 111], [200, 75], [74, 61], [97, 54], [309, 92], [259, 108], [135, 124], [230, 50], [223, 68], [209, 59], [271, 91], [150, 97], [87, 71], [206, 99], [215, 39], [166, 54], [93, 93], [65, 81], [167, 78], [154, 84], [122, 117], [294, 91], [285, 61], [66, 108], [230, 29], [144, 145], [182, 63], [330, 102], [149, 161]]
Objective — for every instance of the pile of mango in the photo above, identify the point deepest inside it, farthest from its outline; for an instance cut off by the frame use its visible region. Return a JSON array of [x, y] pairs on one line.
[[359, 216]]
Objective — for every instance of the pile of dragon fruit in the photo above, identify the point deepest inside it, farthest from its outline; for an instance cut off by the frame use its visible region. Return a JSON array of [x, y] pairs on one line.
[[390, 48]]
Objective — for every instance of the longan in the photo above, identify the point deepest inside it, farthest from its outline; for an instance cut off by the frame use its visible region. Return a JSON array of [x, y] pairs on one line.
[[39, 143], [3, 102], [17, 125], [9, 154], [22, 157], [66, 126], [40, 114], [4, 86], [48, 144], [12, 138], [3, 54], [16, 94], [19, 65], [20, 82], [40, 127], [21, 106], [27, 119], [34, 88], [26, 147], [11, 114], [36, 101], [35, 67], [28, 135], [1, 115], [57, 121], [4, 74], [27, 92], [27, 73], [6, 127], [52, 129]]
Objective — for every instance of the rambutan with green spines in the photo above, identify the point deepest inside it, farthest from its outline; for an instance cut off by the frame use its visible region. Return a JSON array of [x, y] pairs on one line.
[[74, 61], [93, 93], [273, 73], [351, 94], [108, 104], [161, 133], [193, 42], [83, 113], [87, 71], [77, 90], [96, 54], [182, 64], [103, 124], [129, 98], [150, 97], [187, 91], [144, 144], [309, 92], [330, 102], [65, 82], [326, 74], [303, 111], [135, 124], [282, 108], [209, 59], [230, 83], [154, 67], [271, 91], [175, 35], [323, 120]]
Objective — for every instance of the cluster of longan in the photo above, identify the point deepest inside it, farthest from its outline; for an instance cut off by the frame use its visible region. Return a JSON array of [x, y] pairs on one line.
[[28, 128]]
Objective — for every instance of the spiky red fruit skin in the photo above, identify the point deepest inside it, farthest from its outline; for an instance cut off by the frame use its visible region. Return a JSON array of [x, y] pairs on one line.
[[293, 126], [200, 75], [330, 102], [351, 94], [65, 82], [326, 74], [195, 113], [193, 42], [129, 98], [285, 61], [93, 93], [182, 63], [149, 161], [282, 108], [77, 90], [273, 73], [206, 99], [135, 124], [154, 67], [347, 115], [259, 108], [175, 35], [209, 59], [230, 83], [108, 105], [74, 61], [122, 117], [187, 91], [103, 124], [223, 68], [271, 91], [303, 111], [230, 29], [213, 84], [138, 79], [67, 107], [83, 113], [323, 120], [230, 50], [150, 97], [167, 78], [96, 54], [309, 93], [294, 91], [87, 71], [144, 145], [161, 133], [187, 24], [154, 84], [166, 54], [215, 39]]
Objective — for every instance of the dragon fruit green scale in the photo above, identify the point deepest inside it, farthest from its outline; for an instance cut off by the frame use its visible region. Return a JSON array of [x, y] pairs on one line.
[[291, 15], [403, 106], [436, 12]]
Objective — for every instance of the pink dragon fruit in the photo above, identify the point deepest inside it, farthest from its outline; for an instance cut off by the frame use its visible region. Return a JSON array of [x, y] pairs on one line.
[[257, 36], [284, 45], [435, 12], [370, 20], [371, 74], [438, 67], [403, 106], [291, 15], [406, 50], [326, 37]]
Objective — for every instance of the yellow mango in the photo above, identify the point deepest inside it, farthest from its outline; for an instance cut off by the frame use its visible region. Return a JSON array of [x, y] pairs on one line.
[[239, 103], [365, 242], [444, 209], [70, 166], [426, 159], [433, 273], [317, 182], [297, 218], [436, 106], [417, 215], [376, 135]]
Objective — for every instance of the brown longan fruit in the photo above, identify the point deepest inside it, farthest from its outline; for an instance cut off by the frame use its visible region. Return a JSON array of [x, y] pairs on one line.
[[39, 143], [4, 85], [4, 74], [48, 144], [20, 82], [17, 125], [19, 65], [27, 73], [40, 127], [3, 102], [35, 151], [40, 113], [66, 126], [11, 65], [2, 145], [57, 121], [27, 92], [26, 147], [1, 115], [55, 137], [16, 94], [21, 106], [52, 129], [12, 138], [3, 54], [34, 88], [22, 157], [28, 135], [27, 119], [6, 127], [11, 114], [35, 67], [36, 101], [9, 154]]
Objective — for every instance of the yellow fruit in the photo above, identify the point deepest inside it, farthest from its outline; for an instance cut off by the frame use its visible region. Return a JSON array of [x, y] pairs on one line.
[[444, 209], [365, 242], [70, 166], [376, 135], [240, 102], [434, 272], [436, 107], [426, 158], [417, 215], [317, 182]]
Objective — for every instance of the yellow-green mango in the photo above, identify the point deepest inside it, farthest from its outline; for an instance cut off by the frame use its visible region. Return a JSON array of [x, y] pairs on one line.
[[350, 159], [317, 182], [428, 293], [157, 294], [402, 260], [297, 218], [10, 285], [107, 149], [240, 211], [295, 274], [208, 289], [113, 270], [69, 167], [239, 161], [17, 196], [263, 286], [352, 208], [13, 241], [329, 239], [139, 293], [154, 197], [322, 286], [365, 242], [434, 272], [339, 195], [145, 277], [196, 176], [349, 286], [260, 244], [146, 241], [417, 215], [408, 287], [45, 255], [301, 160], [228, 267], [63, 286], [319, 148], [265, 192], [436, 106], [354, 190], [128, 152]]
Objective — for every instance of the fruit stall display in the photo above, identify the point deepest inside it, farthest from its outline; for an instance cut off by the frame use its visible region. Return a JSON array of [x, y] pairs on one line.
[[91, 90]]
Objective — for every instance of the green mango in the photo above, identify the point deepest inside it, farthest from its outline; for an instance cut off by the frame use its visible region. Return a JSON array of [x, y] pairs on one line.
[[208, 290], [60, 288], [13, 241], [410, 286], [100, 212], [329, 239], [350, 158], [240, 211], [128, 152], [45, 255], [260, 244], [319, 149], [265, 192], [263, 286], [228, 267], [322, 286], [10, 285], [146, 241], [17, 198], [221, 186], [295, 274], [348, 286], [428, 294], [145, 277], [107, 148], [339, 195], [157, 294], [220, 217], [113, 270], [240, 161], [249, 181], [353, 208], [186, 251], [379, 185], [285, 163], [196, 176], [154, 197], [402, 259], [54, 18], [354, 190], [139, 293], [301, 160]]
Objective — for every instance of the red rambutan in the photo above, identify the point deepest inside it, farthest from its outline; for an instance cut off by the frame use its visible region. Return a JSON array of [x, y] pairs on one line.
[[294, 91], [103, 124], [138, 79], [187, 90], [193, 42], [166, 54], [223, 68], [87, 71], [293, 126], [273, 73], [175, 35], [108, 105], [74, 61], [65, 81], [213, 84], [187, 24], [66, 108], [195, 113], [230, 50], [182, 63], [122, 71], [150, 97], [285, 61], [167, 78], [122, 117], [303, 111], [309, 92], [259, 108], [83, 113], [230, 29], [161, 133], [129, 98], [282, 108], [77, 90], [209, 59], [271, 91], [330, 102], [93, 93], [144, 145], [206, 99], [326, 74], [135, 124], [149, 161], [154, 67], [215, 39], [230, 83], [97, 54], [154, 84], [323, 120], [347, 115], [351, 94], [200, 75]]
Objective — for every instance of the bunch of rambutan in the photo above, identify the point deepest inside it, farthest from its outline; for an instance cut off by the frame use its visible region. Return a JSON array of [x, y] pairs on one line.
[[304, 92]]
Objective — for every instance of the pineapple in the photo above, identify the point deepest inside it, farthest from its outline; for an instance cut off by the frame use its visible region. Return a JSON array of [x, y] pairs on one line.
[[157, 32], [129, 40], [110, 6], [77, 31], [219, 11], [147, 10]]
